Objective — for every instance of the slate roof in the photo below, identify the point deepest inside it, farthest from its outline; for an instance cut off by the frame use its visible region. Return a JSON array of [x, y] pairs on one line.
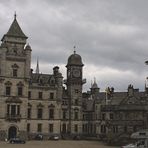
[[75, 59], [121, 99], [42, 79], [15, 30]]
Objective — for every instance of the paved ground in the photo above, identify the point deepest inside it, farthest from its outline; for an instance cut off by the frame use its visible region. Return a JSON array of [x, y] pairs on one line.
[[57, 144]]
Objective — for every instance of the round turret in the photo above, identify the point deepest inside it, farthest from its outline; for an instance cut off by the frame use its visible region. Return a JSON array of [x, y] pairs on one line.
[[75, 59], [28, 47]]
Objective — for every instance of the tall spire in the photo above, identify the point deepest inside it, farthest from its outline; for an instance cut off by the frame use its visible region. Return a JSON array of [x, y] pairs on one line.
[[37, 67]]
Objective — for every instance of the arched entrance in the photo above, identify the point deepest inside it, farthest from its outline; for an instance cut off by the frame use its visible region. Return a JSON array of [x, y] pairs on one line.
[[12, 132]]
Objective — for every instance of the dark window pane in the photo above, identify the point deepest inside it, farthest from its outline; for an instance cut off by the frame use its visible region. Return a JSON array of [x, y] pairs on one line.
[[8, 90], [20, 91], [40, 95], [29, 94], [28, 127], [29, 113], [39, 127], [51, 128], [14, 72], [40, 111], [76, 115], [76, 128], [51, 95], [51, 113]]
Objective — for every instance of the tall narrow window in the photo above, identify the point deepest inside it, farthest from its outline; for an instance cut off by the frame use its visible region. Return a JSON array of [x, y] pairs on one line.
[[64, 114], [40, 112], [51, 113], [83, 128], [64, 128], [18, 109], [103, 129], [51, 128], [76, 128], [8, 109], [28, 127], [103, 116], [14, 72], [76, 101], [20, 91], [8, 90], [115, 129], [76, 115], [125, 128], [111, 115], [29, 113], [51, 95], [40, 95], [39, 127], [13, 110], [29, 94], [76, 91]]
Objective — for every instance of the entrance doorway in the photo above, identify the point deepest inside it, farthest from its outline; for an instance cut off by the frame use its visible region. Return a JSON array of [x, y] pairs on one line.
[[12, 132], [64, 128]]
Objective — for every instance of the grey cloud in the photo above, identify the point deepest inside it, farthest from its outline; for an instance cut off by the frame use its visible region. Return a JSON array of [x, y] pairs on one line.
[[106, 33]]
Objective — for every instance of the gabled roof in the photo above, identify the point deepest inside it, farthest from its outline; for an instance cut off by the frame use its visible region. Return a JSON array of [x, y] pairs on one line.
[[15, 30]]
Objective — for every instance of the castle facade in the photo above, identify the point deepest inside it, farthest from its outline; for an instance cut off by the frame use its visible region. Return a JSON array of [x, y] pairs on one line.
[[32, 103]]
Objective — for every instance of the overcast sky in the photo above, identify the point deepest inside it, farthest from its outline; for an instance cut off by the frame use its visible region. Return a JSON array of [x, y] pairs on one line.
[[110, 35]]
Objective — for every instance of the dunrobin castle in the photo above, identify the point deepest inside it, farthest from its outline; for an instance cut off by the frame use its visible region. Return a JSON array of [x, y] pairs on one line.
[[34, 103]]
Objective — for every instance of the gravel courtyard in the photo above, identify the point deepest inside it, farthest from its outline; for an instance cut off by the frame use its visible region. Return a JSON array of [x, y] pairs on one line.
[[57, 144]]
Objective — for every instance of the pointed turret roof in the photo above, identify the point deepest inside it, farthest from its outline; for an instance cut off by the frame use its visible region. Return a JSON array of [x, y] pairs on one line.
[[15, 30], [94, 85]]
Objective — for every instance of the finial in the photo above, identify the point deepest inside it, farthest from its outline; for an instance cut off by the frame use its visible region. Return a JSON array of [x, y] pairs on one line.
[[91, 83], [74, 49], [15, 15], [94, 79]]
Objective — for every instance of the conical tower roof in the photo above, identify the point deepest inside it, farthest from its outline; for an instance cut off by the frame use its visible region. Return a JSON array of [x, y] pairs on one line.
[[94, 85], [15, 30]]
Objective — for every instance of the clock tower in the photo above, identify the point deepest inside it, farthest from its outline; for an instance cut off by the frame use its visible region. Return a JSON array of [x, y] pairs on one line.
[[74, 91]]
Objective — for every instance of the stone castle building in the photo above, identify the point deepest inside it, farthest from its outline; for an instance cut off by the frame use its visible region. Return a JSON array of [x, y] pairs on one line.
[[35, 103]]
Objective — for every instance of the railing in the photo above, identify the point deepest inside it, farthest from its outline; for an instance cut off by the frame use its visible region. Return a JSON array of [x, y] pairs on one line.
[[10, 117]]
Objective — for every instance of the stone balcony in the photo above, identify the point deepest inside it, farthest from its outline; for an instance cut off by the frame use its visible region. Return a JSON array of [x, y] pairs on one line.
[[14, 118]]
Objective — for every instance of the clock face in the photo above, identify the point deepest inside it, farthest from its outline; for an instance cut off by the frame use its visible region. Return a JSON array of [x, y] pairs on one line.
[[76, 73]]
